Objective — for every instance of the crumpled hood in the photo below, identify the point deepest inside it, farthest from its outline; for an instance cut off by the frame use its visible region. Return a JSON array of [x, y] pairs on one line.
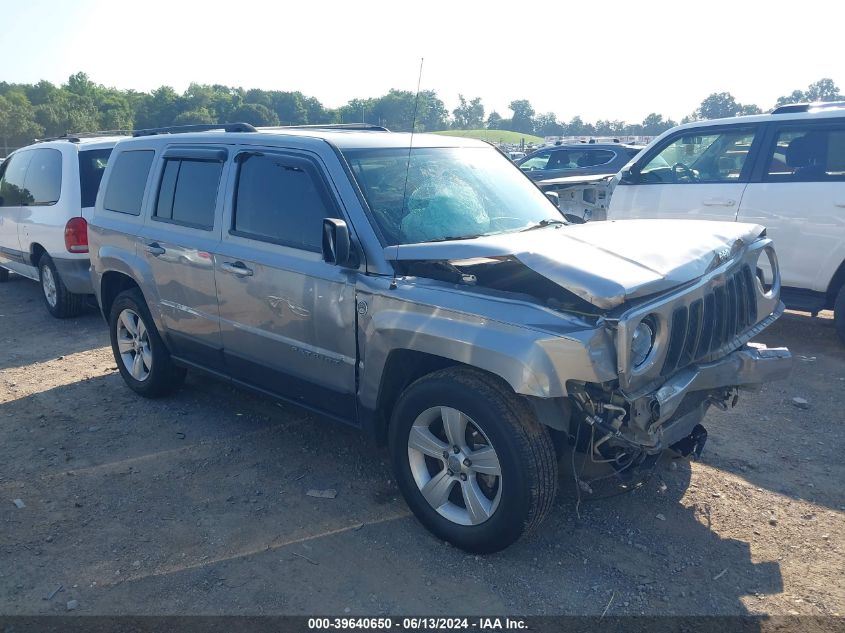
[[604, 263]]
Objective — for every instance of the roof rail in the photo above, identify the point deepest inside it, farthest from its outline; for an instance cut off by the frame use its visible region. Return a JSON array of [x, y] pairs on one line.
[[366, 127], [806, 107], [185, 129], [76, 137]]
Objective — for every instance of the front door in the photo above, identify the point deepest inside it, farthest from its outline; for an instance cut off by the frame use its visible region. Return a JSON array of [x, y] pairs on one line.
[[287, 318], [696, 175], [180, 234]]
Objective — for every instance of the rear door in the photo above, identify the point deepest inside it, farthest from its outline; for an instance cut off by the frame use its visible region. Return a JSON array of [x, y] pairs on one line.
[[181, 232], [799, 196], [287, 317], [695, 174]]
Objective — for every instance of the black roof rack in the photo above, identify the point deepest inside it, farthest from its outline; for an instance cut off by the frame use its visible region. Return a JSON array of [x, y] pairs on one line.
[[185, 129], [806, 107], [366, 127], [76, 137]]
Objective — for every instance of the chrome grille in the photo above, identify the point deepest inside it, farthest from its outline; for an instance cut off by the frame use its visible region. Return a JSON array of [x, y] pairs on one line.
[[708, 323]]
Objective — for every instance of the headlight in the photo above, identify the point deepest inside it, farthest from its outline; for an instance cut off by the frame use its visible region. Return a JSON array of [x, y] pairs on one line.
[[642, 343]]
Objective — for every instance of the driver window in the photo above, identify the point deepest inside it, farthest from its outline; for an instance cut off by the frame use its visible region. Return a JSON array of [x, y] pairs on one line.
[[538, 161], [700, 158]]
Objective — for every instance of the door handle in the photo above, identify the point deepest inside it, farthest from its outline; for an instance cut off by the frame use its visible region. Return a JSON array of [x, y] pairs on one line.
[[236, 268], [154, 249], [718, 202]]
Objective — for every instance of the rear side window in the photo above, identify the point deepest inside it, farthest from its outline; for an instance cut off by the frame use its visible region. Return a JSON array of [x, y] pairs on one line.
[[92, 164], [281, 199], [188, 192], [808, 154], [128, 178], [12, 189], [44, 177]]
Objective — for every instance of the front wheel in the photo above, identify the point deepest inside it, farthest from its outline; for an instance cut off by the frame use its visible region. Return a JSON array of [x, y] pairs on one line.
[[142, 358], [474, 464]]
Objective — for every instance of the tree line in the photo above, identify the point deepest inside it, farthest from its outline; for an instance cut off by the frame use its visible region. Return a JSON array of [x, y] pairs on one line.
[[29, 111]]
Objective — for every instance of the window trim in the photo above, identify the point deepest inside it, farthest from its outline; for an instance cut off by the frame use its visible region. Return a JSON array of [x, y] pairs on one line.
[[745, 175], [310, 167], [775, 128], [178, 157]]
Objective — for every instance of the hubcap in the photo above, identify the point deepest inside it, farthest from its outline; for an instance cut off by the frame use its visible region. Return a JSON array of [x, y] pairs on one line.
[[133, 344], [48, 284], [455, 466]]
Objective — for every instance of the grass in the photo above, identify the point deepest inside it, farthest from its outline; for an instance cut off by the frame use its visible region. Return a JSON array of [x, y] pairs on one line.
[[494, 136]]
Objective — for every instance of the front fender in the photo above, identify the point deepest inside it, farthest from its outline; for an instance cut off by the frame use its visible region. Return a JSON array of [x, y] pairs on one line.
[[532, 362]]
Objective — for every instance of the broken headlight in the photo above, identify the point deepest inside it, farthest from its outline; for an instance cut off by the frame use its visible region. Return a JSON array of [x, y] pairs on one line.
[[642, 342]]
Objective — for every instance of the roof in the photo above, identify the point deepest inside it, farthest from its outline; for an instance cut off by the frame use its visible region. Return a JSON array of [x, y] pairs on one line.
[[342, 139], [822, 113]]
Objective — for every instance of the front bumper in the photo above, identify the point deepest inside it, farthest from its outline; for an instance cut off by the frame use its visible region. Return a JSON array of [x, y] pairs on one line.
[[670, 413]]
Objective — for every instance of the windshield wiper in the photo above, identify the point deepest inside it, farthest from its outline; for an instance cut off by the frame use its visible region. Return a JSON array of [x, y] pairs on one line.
[[543, 223], [452, 238]]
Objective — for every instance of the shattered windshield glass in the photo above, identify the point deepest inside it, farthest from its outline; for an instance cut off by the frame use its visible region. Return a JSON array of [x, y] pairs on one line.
[[451, 193]]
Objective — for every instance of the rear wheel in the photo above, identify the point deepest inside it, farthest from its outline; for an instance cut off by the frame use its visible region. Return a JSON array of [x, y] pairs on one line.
[[60, 302], [141, 356], [839, 314], [473, 462]]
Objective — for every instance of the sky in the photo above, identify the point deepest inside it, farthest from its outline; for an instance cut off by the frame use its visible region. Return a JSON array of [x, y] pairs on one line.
[[600, 60]]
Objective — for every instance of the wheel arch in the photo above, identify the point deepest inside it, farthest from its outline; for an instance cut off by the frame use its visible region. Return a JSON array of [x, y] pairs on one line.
[[113, 282], [36, 251]]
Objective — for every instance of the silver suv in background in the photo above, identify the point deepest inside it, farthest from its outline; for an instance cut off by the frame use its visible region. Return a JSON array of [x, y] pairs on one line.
[[47, 194], [419, 287]]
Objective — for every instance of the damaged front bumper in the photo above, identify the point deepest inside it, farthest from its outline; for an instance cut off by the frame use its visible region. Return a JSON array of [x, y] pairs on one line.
[[662, 414], [670, 416]]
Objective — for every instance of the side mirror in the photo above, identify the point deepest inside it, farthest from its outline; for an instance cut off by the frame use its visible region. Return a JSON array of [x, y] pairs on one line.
[[337, 247], [631, 175], [554, 197]]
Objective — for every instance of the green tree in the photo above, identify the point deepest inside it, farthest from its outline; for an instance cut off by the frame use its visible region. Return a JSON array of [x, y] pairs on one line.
[[17, 121], [159, 108], [548, 125], [468, 115], [494, 121], [523, 116], [254, 114], [821, 90], [195, 117]]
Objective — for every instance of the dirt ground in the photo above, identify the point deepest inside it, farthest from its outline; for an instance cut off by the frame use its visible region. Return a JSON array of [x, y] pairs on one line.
[[197, 504]]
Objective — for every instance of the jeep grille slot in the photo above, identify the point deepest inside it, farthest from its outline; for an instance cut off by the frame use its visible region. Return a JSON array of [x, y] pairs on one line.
[[708, 323]]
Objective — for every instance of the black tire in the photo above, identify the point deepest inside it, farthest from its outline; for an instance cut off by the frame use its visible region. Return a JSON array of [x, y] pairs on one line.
[[4, 275], [60, 302], [163, 376], [839, 314], [526, 456]]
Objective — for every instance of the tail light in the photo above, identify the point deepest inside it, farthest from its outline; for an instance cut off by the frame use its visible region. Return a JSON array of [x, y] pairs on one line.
[[76, 235]]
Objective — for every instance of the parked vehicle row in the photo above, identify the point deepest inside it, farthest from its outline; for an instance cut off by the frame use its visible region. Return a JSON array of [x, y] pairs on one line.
[[422, 289], [784, 170]]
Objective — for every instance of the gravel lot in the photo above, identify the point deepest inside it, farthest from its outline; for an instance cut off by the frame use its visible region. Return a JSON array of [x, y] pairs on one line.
[[197, 503]]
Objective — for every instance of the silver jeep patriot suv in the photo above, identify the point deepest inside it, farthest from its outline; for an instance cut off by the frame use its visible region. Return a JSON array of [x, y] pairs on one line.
[[425, 290]]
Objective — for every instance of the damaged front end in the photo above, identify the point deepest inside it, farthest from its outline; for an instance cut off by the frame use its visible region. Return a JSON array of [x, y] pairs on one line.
[[700, 356]]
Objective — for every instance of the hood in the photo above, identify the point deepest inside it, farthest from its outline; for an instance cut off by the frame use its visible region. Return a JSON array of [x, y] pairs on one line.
[[603, 263]]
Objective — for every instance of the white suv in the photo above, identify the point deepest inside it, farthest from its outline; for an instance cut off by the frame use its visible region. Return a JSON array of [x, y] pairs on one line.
[[47, 194], [784, 170]]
